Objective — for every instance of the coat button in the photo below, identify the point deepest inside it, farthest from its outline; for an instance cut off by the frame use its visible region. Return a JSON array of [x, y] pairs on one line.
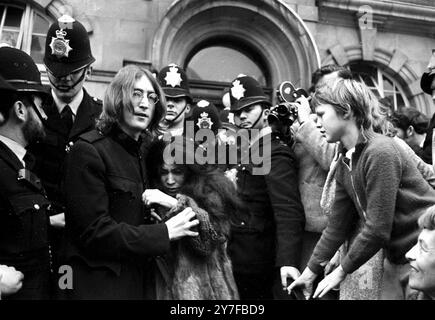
[[242, 223], [36, 206]]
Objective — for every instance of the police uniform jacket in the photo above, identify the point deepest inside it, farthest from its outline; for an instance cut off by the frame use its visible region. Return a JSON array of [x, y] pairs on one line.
[[51, 152], [268, 233], [109, 243], [23, 218]]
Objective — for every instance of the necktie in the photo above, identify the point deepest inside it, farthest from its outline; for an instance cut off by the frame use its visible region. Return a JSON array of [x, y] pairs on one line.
[[29, 161], [67, 118]]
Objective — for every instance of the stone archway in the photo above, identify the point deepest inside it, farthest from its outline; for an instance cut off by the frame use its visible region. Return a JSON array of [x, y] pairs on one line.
[[269, 27]]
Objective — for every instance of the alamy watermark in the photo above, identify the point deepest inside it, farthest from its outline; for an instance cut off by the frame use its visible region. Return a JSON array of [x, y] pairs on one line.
[[246, 147], [365, 21]]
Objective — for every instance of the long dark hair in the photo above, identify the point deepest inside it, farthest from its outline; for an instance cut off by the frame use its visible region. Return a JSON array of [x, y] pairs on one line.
[[205, 183], [119, 95]]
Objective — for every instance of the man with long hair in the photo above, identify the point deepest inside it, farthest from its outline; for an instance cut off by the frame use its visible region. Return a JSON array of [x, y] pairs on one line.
[[109, 242]]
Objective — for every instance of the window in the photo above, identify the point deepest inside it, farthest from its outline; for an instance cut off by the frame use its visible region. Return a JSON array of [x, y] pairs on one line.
[[24, 27], [381, 84], [223, 64]]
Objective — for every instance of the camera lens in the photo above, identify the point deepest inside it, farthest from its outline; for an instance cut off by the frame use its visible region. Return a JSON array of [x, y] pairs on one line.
[[282, 110]]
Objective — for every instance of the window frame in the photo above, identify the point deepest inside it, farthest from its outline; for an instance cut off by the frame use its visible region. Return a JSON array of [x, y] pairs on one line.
[[25, 33], [378, 82]]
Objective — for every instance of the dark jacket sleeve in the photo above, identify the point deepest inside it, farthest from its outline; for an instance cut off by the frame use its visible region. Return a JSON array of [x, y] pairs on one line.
[[88, 217], [282, 187]]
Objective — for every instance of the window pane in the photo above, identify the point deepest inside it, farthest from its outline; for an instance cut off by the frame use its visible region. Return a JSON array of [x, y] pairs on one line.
[[9, 38], [220, 63], [400, 102], [388, 85], [40, 25], [13, 17], [37, 49]]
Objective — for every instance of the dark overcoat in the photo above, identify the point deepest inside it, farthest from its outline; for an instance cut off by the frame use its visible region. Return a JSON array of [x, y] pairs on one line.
[[109, 241]]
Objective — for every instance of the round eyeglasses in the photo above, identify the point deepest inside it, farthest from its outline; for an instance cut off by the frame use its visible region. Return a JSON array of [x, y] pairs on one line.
[[152, 97]]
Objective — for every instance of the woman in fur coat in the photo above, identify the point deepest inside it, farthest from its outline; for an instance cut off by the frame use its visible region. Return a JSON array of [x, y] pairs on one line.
[[197, 269]]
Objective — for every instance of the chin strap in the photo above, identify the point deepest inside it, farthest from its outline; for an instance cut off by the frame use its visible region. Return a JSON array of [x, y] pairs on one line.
[[73, 85], [256, 121], [179, 115]]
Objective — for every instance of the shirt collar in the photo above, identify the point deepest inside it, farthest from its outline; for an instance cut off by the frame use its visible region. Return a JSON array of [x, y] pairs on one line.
[[16, 148], [74, 104], [349, 153]]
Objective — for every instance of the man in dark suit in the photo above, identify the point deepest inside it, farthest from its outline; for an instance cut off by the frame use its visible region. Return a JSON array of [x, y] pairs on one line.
[[23, 204], [72, 112]]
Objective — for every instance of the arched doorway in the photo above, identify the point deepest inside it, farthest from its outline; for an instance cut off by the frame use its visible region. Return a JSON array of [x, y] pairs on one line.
[[265, 37]]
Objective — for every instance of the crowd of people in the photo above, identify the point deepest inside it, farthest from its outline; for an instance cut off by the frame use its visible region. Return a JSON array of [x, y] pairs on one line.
[[154, 194]]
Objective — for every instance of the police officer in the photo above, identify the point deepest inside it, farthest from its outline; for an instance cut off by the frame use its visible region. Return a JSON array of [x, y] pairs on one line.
[[175, 85], [266, 238], [67, 58], [23, 217], [72, 112]]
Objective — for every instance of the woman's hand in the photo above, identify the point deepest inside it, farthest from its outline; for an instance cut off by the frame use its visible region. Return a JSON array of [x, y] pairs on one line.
[[179, 225], [331, 281], [288, 272], [155, 196], [305, 282], [10, 280]]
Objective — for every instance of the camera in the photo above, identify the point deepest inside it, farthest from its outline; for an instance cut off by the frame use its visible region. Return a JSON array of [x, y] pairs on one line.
[[286, 111]]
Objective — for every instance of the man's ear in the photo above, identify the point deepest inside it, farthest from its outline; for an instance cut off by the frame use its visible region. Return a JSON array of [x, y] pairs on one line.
[[410, 131], [19, 111], [88, 72], [266, 112], [187, 108]]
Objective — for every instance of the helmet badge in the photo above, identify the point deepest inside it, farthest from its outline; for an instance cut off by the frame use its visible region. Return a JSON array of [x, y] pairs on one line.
[[237, 90], [60, 46], [204, 122], [173, 77]]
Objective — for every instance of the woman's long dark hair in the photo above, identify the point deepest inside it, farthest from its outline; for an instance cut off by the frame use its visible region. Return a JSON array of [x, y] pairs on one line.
[[205, 184]]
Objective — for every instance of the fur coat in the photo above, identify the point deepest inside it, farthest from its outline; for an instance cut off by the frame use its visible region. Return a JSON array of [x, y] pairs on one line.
[[198, 268]]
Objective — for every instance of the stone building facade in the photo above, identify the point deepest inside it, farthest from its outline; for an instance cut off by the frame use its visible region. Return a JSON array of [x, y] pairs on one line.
[[387, 43]]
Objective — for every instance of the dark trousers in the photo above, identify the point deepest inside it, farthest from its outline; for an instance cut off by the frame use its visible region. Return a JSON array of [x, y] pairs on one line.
[[36, 286], [255, 286]]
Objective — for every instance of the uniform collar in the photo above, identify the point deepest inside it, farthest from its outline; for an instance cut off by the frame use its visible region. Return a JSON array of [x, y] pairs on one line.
[[74, 104], [15, 147]]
